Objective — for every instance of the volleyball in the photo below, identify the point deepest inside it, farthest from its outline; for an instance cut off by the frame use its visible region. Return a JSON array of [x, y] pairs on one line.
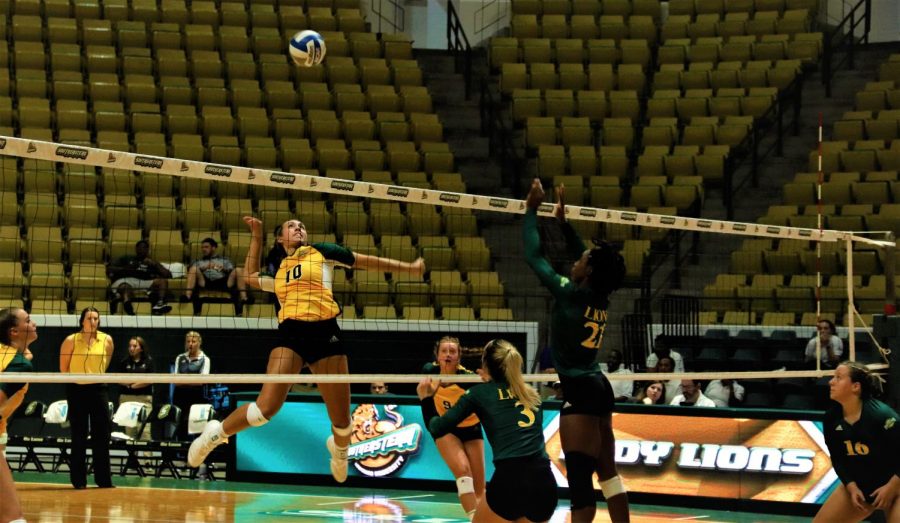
[[307, 48]]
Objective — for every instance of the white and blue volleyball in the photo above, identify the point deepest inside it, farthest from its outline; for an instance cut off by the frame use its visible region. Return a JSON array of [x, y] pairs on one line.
[[307, 48]]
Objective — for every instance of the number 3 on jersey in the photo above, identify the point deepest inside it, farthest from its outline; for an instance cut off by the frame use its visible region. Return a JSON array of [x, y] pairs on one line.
[[293, 274], [529, 415]]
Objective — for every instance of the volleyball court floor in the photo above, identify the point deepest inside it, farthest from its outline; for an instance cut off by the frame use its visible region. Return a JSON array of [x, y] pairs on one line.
[[49, 498]]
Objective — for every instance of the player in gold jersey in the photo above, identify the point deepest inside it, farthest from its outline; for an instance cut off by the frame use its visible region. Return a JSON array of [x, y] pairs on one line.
[[17, 331], [307, 326], [463, 447]]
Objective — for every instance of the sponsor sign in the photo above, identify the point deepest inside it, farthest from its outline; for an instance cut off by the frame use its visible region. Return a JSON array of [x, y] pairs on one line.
[[218, 170], [145, 161], [286, 179], [75, 153], [736, 457], [380, 444]]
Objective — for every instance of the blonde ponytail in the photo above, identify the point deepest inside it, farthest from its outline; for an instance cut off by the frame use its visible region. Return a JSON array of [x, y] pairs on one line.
[[503, 359]]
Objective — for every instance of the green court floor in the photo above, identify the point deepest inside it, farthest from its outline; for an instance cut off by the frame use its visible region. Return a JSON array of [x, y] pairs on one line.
[[275, 503]]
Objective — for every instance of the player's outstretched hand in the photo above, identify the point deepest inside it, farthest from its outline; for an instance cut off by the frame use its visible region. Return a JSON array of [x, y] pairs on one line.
[[254, 223], [418, 267], [427, 388], [560, 210], [535, 194]]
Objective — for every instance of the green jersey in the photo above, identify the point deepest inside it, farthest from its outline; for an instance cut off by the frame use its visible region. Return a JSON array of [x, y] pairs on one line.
[[868, 451], [13, 362], [512, 430], [578, 317]]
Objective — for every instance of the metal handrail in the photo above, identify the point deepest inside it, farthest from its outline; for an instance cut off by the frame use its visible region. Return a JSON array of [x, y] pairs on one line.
[[459, 44], [838, 37]]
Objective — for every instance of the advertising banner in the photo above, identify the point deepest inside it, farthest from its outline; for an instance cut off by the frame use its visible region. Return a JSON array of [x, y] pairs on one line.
[[701, 455]]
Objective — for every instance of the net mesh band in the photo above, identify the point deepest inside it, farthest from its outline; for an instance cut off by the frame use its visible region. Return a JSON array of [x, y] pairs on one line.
[[55, 152]]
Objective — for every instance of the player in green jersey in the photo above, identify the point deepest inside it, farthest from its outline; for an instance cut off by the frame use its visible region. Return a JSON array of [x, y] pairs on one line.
[[17, 331], [863, 438], [523, 487], [577, 322]]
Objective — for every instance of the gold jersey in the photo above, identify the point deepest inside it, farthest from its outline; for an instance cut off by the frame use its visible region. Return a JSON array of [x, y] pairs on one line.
[[446, 396], [7, 354], [304, 281]]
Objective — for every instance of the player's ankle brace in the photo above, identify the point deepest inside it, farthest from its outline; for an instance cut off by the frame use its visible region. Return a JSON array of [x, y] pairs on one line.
[[612, 487], [255, 416], [580, 469], [342, 431], [465, 485]]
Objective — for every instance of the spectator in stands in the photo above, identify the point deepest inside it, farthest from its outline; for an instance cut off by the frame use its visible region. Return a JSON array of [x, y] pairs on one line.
[[379, 387], [140, 272], [660, 350], [273, 262], [88, 351], [725, 393], [192, 361], [673, 387], [653, 393], [137, 362], [691, 395], [215, 272], [17, 331], [832, 346], [623, 390]]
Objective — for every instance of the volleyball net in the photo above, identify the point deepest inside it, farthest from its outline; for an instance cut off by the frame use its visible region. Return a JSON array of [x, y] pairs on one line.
[[73, 214]]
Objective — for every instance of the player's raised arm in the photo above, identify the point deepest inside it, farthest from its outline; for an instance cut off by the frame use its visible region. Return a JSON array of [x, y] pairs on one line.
[[251, 262]]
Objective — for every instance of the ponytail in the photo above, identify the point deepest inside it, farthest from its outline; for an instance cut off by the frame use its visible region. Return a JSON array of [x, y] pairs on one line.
[[504, 363], [869, 382]]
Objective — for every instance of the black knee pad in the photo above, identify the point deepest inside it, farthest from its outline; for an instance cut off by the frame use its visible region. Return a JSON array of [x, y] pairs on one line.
[[580, 470]]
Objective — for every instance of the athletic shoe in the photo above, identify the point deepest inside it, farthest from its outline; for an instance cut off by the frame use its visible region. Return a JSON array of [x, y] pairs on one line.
[[205, 443], [160, 308], [338, 460]]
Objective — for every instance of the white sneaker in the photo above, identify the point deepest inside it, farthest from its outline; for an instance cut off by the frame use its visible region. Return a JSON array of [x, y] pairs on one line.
[[205, 443], [338, 460]]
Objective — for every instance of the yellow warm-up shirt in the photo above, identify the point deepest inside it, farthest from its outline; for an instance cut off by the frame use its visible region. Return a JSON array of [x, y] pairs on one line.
[[304, 281], [89, 359]]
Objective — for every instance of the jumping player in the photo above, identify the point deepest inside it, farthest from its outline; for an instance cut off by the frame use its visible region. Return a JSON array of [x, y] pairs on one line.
[[522, 488], [309, 335], [577, 323], [863, 438]]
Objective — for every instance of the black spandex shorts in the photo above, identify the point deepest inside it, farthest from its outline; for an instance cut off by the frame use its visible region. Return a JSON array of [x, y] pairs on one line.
[[522, 488], [588, 394], [468, 433], [311, 340]]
